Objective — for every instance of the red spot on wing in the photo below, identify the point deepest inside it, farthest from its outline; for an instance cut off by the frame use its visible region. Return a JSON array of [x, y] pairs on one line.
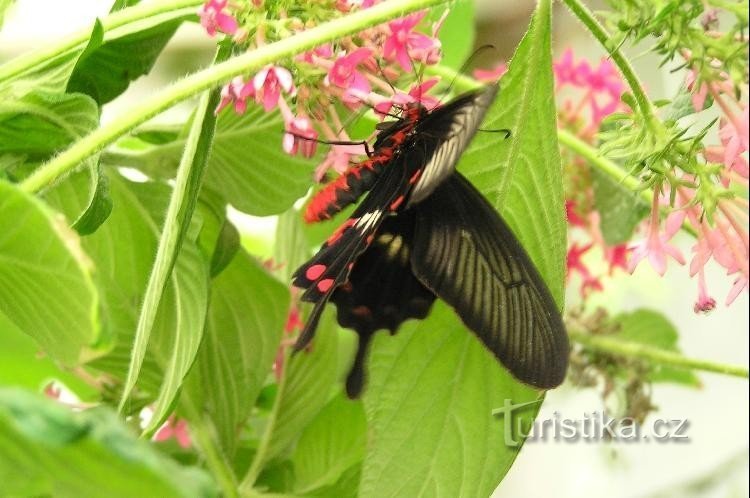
[[415, 177], [315, 271], [336, 235], [325, 284], [395, 204]]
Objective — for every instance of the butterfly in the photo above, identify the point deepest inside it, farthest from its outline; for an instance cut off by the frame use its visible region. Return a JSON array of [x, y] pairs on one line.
[[424, 232]]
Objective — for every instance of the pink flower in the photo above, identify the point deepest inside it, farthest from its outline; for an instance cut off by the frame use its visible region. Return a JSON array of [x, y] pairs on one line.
[[734, 137], [236, 91], [325, 51], [491, 75], [417, 93], [214, 19], [338, 158], [300, 136], [344, 74], [404, 44], [740, 284], [268, 84], [604, 79], [566, 71], [656, 247], [705, 303], [176, 429], [698, 97]]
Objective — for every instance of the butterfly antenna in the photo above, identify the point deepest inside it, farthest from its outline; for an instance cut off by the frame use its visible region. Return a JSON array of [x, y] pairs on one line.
[[465, 67]]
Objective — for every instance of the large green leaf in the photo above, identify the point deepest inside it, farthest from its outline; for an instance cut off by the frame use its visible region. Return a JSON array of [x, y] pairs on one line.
[[247, 164], [433, 387], [48, 450], [246, 316], [106, 71], [123, 251], [330, 445], [46, 286], [307, 381], [39, 125], [431, 393]]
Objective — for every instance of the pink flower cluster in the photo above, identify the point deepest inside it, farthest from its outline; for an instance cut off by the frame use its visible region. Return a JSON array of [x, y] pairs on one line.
[[595, 89], [358, 71]]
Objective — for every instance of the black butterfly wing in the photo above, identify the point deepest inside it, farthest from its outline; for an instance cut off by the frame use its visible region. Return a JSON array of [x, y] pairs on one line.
[[444, 134], [382, 292], [467, 255], [330, 267]]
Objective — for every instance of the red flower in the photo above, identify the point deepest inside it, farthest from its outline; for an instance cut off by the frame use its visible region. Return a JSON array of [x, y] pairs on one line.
[[214, 19], [417, 93], [268, 84], [176, 429]]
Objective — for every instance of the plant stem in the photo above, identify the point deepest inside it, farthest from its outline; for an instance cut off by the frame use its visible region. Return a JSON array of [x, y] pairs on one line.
[[587, 18], [614, 171], [36, 58], [203, 434], [69, 159], [654, 355]]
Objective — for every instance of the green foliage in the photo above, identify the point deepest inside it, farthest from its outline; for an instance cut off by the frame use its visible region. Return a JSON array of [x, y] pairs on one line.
[[620, 209], [49, 294], [247, 164], [49, 450], [652, 328]]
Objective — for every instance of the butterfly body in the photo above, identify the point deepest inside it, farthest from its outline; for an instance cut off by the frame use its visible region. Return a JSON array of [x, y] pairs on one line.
[[424, 232]]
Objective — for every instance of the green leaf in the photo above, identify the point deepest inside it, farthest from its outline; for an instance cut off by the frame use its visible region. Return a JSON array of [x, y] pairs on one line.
[[291, 247], [46, 287], [49, 450], [620, 208], [307, 381], [247, 164], [107, 71], [246, 317], [122, 272], [430, 397], [41, 124], [433, 387], [21, 364], [330, 445], [652, 328], [179, 214]]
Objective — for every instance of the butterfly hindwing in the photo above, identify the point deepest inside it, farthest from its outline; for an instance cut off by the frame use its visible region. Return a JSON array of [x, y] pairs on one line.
[[467, 255], [330, 267], [382, 291]]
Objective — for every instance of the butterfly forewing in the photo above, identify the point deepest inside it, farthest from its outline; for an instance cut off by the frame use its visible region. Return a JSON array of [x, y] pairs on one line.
[[467, 255], [444, 134]]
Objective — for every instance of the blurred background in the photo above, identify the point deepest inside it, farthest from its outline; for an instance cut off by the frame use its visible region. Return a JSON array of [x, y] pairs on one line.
[[713, 463]]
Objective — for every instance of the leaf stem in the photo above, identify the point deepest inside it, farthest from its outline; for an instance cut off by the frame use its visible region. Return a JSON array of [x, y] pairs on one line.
[[654, 355], [179, 213], [610, 168], [69, 159], [584, 15], [30, 60]]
